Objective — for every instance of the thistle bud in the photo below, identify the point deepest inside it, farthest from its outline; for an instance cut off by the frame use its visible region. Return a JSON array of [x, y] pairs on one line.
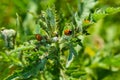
[[9, 37], [55, 39]]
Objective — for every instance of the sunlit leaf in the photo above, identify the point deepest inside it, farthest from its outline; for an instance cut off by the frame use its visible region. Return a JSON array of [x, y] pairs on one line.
[[112, 10]]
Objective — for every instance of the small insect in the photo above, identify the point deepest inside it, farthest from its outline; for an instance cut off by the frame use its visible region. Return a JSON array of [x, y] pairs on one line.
[[38, 37], [86, 21], [67, 32]]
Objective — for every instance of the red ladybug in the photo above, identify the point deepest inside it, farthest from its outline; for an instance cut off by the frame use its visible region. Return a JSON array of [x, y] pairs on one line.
[[38, 37], [67, 32]]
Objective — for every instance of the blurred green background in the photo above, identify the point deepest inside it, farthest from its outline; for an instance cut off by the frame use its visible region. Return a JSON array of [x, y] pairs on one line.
[[104, 39]]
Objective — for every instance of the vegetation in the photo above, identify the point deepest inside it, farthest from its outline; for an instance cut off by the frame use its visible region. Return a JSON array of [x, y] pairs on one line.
[[59, 40]]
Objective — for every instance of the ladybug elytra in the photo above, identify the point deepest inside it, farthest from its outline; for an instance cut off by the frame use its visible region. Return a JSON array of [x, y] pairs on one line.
[[67, 32], [38, 37]]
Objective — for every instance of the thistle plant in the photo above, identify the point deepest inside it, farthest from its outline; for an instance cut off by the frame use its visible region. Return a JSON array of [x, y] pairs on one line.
[[56, 44]]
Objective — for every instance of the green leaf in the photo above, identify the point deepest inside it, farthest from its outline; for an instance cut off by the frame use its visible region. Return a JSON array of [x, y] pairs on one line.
[[51, 17], [70, 59], [112, 10], [29, 71], [72, 50], [78, 74], [98, 16], [86, 6], [79, 42], [72, 53], [37, 29], [112, 61], [20, 28], [113, 76], [12, 76]]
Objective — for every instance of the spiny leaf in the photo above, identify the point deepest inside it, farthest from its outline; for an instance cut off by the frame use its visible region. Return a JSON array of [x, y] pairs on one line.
[[72, 53], [72, 50], [37, 29], [70, 58], [112, 10], [99, 14], [29, 71]]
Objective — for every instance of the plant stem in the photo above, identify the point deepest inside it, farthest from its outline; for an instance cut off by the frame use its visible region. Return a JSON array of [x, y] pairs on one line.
[[57, 63]]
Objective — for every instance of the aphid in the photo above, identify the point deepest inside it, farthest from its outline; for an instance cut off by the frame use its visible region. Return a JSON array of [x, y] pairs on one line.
[[38, 37], [67, 32]]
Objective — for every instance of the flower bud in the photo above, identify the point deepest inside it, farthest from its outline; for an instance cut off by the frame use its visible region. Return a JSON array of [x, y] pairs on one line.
[[55, 39]]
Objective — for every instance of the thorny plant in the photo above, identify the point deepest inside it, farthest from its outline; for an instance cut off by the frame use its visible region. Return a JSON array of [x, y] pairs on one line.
[[55, 40]]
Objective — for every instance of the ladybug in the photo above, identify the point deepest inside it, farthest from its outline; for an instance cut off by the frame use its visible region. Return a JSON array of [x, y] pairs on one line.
[[67, 32], [38, 37]]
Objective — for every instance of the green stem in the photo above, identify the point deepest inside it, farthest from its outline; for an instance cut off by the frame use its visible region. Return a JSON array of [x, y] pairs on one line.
[[57, 63]]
